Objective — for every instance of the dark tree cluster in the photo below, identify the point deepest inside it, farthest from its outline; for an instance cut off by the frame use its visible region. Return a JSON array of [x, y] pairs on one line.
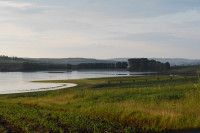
[[4, 67], [3, 57], [29, 66], [143, 64], [121, 65], [118, 65]]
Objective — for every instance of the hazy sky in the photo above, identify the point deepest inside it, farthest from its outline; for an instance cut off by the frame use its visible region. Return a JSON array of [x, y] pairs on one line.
[[100, 28]]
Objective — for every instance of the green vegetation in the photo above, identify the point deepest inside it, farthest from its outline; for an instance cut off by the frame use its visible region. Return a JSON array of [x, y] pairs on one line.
[[117, 104], [185, 70]]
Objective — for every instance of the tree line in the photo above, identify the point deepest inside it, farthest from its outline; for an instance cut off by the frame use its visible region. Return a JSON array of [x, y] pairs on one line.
[[30, 66], [143, 64], [38, 66], [118, 65], [134, 64], [4, 57]]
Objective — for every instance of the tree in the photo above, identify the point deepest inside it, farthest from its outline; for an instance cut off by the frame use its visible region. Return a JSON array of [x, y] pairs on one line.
[[143, 64], [167, 66]]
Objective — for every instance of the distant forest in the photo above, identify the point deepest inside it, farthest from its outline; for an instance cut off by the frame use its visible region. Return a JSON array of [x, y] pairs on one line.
[[31, 66], [143, 64], [20, 64], [140, 64], [4, 57], [118, 65]]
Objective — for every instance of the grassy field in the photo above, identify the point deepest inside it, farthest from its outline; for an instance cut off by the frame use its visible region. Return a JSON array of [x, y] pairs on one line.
[[118, 104], [184, 70]]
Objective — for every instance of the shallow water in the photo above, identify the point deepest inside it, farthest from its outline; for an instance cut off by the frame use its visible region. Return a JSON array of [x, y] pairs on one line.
[[18, 82]]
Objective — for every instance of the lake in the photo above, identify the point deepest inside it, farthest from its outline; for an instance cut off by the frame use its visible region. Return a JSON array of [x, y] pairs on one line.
[[19, 82]]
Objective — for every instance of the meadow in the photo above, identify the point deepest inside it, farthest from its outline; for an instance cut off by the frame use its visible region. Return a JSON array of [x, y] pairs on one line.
[[117, 104]]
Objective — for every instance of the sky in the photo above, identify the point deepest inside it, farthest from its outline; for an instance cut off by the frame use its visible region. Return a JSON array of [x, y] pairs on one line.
[[100, 29]]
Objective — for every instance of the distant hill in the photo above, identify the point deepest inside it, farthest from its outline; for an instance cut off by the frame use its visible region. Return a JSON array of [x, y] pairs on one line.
[[179, 61], [120, 59], [73, 61]]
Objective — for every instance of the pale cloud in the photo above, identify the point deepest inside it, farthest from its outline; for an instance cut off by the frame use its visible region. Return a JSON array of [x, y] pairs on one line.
[[60, 38], [84, 28], [13, 4]]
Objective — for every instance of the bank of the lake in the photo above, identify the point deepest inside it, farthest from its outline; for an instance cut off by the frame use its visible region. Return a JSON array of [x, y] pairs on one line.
[[116, 104], [18, 82]]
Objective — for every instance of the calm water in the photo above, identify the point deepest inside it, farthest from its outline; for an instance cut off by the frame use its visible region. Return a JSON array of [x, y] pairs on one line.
[[18, 82]]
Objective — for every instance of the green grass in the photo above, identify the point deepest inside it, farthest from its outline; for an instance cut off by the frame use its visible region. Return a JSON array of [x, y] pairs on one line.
[[96, 106], [184, 69]]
